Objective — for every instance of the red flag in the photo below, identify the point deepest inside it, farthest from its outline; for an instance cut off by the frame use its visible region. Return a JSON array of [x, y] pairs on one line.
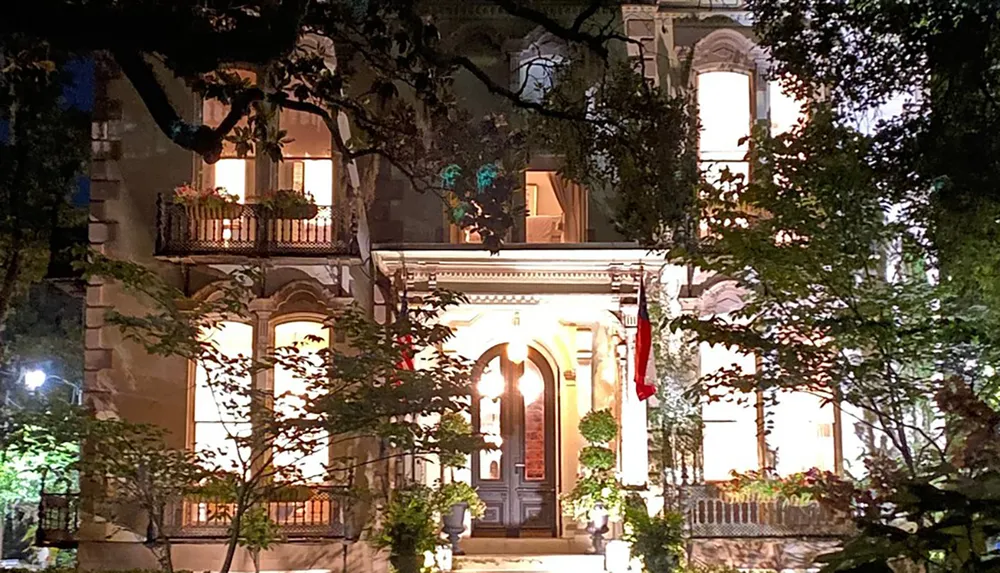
[[645, 367], [406, 341]]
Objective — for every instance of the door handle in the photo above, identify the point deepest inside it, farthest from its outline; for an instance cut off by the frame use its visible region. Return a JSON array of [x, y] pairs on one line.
[[519, 466]]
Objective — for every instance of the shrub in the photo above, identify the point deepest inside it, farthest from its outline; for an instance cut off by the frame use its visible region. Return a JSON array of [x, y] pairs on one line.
[[597, 458], [658, 540], [599, 427], [454, 493]]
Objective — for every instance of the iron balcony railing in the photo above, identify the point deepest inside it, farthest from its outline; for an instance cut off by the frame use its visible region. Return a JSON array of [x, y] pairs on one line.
[[320, 512], [710, 515], [302, 513], [252, 230]]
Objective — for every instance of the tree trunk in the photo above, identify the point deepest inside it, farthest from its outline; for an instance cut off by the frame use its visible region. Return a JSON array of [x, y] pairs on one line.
[[234, 540]]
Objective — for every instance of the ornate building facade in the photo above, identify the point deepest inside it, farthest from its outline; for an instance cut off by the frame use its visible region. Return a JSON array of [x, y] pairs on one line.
[[565, 284]]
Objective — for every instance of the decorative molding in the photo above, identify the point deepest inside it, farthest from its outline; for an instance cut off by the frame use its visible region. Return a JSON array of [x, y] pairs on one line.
[[503, 299], [725, 49]]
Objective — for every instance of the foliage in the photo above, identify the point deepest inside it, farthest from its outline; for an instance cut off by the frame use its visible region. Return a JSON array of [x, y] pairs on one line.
[[140, 468], [598, 488], [208, 198], [453, 434], [281, 199], [356, 391], [43, 144], [456, 492], [398, 67], [407, 525], [658, 540], [599, 427], [598, 491], [639, 151], [258, 532], [764, 485], [597, 458]]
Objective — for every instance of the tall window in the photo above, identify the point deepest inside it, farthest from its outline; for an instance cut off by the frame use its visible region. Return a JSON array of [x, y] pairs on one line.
[[785, 110], [292, 390], [537, 72], [800, 425], [221, 396], [234, 173], [725, 116], [307, 156]]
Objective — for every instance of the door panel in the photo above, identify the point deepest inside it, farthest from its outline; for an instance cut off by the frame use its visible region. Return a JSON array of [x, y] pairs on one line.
[[514, 406]]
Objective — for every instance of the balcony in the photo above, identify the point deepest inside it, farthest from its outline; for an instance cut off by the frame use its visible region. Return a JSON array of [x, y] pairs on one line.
[[316, 513], [710, 515], [251, 230]]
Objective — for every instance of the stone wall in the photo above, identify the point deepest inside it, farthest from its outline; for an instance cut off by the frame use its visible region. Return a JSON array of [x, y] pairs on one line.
[[760, 553]]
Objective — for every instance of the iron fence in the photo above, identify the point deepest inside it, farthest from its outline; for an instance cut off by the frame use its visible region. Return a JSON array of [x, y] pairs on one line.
[[710, 515], [318, 512]]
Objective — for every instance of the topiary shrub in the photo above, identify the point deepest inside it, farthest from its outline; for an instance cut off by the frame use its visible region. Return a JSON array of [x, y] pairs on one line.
[[599, 427], [597, 458]]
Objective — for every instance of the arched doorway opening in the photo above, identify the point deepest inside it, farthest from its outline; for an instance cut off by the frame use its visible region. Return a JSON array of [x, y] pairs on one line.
[[514, 406]]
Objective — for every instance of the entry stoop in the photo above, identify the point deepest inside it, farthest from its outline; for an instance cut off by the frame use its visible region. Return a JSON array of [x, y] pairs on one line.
[[503, 563]]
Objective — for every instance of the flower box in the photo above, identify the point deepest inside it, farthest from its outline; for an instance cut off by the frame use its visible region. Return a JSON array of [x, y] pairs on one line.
[[304, 211], [215, 212]]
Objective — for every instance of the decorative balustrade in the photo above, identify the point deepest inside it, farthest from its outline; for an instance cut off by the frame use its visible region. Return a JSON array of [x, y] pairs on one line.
[[251, 230], [301, 513], [710, 515]]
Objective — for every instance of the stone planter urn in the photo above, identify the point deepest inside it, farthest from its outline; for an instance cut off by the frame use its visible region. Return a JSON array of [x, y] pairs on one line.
[[407, 563], [454, 525], [597, 527]]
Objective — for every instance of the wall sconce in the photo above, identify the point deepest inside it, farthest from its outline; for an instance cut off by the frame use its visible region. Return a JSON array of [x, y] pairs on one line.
[[517, 348]]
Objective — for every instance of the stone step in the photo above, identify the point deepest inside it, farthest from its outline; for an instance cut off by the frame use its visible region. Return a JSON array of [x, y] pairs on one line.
[[528, 563], [526, 546]]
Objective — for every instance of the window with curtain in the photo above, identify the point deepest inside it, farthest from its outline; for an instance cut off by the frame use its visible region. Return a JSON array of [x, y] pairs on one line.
[[555, 209], [234, 173], [307, 157], [292, 390], [219, 413]]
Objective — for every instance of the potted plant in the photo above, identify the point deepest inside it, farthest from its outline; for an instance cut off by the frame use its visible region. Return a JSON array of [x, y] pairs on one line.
[[597, 496], [454, 500], [288, 204], [407, 527], [211, 203]]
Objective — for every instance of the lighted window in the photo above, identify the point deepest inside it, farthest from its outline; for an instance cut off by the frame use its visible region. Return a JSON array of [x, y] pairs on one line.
[[725, 116], [221, 396], [232, 172], [292, 390], [537, 73], [801, 434], [730, 432], [785, 109], [307, 163]]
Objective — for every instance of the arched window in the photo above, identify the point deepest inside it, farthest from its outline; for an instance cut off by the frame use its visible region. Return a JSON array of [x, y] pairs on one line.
[[303, 339], [222, 395]]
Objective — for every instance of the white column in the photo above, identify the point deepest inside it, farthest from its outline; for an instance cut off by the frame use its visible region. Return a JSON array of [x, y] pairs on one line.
[[635, 438]]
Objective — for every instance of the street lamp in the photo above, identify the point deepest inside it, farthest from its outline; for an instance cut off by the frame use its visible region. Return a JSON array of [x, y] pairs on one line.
[[35, 379]]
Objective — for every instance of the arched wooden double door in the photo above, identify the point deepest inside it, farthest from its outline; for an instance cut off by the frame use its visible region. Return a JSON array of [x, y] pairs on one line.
[[514, 407]]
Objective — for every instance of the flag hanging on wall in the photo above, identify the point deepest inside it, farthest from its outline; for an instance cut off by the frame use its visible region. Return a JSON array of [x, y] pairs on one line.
[[645, 366]]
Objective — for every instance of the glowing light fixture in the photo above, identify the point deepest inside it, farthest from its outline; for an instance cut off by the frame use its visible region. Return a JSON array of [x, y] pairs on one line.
[[34, 379], [517, 348], [490, 385], [530, 386]]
